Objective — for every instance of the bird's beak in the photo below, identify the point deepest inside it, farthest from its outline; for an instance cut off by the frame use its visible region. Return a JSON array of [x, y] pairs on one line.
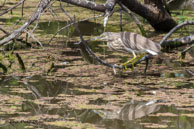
[[97, 38]]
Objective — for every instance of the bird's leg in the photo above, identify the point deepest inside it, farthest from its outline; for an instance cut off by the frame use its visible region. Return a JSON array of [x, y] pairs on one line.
[[137, 59], [125, 64], [147, 63]]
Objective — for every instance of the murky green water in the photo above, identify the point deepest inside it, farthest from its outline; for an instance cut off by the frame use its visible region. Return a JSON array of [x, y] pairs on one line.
[[40, 102], [87, 28], [78, 95]]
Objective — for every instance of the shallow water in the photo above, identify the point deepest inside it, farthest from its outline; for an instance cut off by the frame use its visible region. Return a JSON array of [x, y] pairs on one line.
[[87, 28], [40, 102], [81, 95]]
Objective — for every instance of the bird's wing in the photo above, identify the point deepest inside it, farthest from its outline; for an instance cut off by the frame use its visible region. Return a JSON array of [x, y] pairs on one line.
[[148, 45], [129, 40], [138, 43]]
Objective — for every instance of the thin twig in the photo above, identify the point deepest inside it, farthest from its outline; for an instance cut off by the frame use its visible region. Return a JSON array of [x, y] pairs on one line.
[[42, 6], [86, 45], [121, 26], [138, 23], [3, 30], [12, 7], [187, 49], [23, 8], [31, 35]]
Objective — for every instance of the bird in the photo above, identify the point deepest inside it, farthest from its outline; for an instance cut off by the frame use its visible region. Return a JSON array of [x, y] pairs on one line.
[[131, 43]]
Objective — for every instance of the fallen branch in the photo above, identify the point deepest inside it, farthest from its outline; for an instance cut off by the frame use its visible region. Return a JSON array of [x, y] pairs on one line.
[[174, 29], [147, 57], [86, 4], [17, 39], [42, 6], [179, 42], [3, 30], [185, 40], [110, 4], [83, 44], [21, 2]]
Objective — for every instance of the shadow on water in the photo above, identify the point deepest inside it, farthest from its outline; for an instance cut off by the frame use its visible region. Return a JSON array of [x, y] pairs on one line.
[[40, 102], [87, 28]]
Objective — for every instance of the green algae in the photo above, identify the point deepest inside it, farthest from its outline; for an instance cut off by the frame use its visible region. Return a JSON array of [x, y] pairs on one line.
[[75, 87]]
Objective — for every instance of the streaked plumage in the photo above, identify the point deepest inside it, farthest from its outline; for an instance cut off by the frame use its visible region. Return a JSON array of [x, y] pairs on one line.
[[130, 42]]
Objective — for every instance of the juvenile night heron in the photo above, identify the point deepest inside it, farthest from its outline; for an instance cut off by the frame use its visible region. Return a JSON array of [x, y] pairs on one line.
[[129, 42]]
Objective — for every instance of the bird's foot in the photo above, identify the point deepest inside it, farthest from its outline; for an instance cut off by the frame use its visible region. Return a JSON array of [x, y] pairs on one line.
[[132, 62], [125, 65]]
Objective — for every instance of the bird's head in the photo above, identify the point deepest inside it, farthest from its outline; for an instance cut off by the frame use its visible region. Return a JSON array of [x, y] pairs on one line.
[[106, 36]]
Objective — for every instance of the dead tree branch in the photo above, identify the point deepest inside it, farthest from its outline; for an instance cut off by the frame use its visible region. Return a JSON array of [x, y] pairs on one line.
[[147, 57], [187, 49], [83, 44], [3, 30], [160, 19], [174, 29], [109, 10], [42, 6], [21, 2], [86, 4], [181, 41], [109, 6], [17, 39]]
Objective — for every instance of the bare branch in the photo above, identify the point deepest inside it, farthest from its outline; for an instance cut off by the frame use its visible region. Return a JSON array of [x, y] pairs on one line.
[[22, 8], [109, 10], [42, 6], [31, 35], [174, 29], [146, 57], [187, 49], [160, 20], [83, 44], [18, 39], [110, 4], [86, 4], [184, 41], [22, 1], [3, 30]]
